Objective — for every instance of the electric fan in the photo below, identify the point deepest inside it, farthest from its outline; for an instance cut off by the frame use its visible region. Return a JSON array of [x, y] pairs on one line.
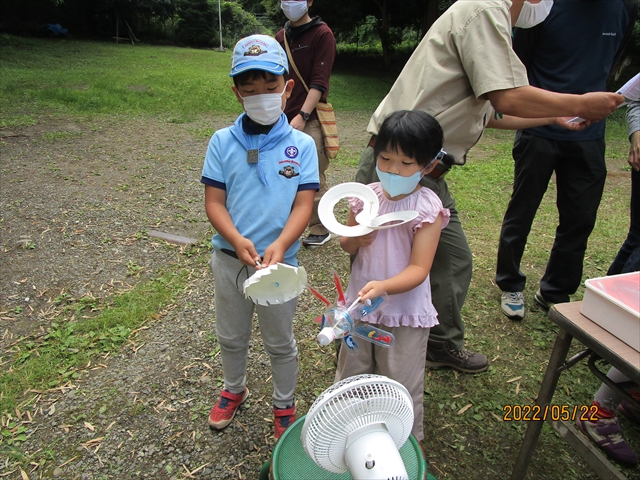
[[359, 424]]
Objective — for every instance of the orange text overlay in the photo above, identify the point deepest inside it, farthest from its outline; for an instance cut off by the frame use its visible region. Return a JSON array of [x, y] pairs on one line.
[[549, 412]]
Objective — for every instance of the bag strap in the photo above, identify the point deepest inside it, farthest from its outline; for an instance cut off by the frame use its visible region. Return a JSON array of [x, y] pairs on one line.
[[293, 64]]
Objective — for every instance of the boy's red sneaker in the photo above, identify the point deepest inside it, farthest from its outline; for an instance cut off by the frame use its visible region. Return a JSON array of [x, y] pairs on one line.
[[283, 418], [225, 408]]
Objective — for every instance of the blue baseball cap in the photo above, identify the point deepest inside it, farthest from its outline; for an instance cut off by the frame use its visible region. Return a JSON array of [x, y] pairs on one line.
[[258, 52]]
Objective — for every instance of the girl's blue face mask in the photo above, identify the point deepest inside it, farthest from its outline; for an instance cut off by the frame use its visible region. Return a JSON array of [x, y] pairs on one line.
[[396, 185]]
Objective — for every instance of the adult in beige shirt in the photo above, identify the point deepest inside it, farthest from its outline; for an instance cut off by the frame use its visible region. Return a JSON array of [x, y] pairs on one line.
[[462, 73]]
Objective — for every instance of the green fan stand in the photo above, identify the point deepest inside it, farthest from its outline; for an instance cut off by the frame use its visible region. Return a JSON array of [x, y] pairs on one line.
[[290, 462]]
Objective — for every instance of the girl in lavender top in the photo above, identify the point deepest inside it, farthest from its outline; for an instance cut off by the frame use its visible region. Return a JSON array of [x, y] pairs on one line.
[[397, 260]]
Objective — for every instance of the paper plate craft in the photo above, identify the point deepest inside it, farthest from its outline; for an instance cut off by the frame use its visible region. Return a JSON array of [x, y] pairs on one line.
[[275, 284], [368, 220]]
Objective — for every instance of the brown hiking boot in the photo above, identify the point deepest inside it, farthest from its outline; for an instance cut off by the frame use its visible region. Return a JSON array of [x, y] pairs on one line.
[[442, 354]]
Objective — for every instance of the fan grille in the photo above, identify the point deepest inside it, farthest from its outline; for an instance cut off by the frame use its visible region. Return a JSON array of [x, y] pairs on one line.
[[348, 405]]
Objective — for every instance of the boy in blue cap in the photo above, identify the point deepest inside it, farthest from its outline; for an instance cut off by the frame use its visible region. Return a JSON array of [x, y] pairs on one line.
[[260, 178]]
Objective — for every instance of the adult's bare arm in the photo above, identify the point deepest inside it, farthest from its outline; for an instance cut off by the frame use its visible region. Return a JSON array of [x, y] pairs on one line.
[[532, 102], [313, 97], [508, 122]]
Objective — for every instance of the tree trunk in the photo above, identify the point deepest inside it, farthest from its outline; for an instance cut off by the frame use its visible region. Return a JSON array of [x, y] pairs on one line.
[[383, 31], [431, 14]]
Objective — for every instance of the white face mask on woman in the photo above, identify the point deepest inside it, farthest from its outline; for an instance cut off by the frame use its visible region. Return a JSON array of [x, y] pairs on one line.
[[265, 108], [294, 11], [533, 13]]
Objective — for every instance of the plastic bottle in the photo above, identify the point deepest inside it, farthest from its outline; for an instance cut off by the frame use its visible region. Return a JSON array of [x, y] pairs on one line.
[[337, 324]]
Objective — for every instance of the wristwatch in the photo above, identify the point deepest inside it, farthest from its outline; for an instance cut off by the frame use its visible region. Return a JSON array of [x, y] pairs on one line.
[[305, 116]]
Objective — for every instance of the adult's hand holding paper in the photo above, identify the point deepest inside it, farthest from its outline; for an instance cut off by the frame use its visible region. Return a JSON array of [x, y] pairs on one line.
[[630, 91]]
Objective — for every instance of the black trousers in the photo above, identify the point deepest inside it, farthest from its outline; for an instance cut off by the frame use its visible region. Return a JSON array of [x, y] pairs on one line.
[[580, 174]]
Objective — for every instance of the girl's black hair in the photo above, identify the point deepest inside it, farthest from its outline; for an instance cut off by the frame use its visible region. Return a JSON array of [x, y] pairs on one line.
[[416, 133], [253, 75]]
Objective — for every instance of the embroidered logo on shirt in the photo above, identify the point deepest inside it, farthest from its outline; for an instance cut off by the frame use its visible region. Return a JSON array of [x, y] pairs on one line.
[[288, 172], [291, 152]]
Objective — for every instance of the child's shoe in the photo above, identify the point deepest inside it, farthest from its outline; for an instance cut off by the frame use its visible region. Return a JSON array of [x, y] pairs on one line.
[[606, 435], [225, 408], [283, 418]]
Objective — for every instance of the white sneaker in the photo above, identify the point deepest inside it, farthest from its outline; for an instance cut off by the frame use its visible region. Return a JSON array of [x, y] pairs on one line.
[[512, 304]]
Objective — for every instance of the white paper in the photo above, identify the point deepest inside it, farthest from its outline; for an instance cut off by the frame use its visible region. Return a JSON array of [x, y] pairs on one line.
[[631, 90]]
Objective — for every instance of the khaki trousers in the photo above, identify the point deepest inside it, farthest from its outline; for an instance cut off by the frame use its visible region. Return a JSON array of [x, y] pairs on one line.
[[404, 362], [312, 128]]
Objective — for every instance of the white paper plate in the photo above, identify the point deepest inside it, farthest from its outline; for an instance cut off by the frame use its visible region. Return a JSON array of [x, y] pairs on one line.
[[275, 284], [368, 220]]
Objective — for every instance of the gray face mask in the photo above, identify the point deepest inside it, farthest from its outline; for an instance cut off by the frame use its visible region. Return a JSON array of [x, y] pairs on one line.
[[295, 10], [533, 13]]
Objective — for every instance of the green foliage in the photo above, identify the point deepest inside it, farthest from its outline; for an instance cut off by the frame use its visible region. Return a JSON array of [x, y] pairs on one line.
[[195, 24], [236, 23]]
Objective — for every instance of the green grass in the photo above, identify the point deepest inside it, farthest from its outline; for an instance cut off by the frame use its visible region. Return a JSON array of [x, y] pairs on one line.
[[102, 78], [69, 346]]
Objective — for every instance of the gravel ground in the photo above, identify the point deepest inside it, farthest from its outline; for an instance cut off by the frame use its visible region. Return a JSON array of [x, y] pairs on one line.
[[77, 201]]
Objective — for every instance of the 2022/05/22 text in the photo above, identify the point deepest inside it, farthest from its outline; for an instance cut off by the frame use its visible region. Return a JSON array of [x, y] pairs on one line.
[[553, 412]]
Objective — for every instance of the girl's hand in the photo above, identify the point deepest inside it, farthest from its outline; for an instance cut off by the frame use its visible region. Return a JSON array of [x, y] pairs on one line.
[[246, 252], [273, 254], [364, 240], [371, 290]]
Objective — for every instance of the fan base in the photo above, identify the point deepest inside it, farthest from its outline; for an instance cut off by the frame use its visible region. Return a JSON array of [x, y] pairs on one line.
[[371, 454]]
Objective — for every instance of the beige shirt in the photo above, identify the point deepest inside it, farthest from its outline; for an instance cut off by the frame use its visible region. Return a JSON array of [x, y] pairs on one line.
[[464, 55]]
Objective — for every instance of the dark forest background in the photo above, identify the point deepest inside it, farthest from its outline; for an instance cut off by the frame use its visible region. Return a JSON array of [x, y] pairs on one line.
[[365, 28]]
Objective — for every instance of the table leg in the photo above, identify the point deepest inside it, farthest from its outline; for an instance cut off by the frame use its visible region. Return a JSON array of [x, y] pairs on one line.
[[548, 386]]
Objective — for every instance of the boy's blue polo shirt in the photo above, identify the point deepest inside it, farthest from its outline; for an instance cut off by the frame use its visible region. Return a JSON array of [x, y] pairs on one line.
[[260, 211]]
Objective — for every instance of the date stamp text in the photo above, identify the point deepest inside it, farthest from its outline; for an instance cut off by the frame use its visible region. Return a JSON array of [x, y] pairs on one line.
[[535, 413]]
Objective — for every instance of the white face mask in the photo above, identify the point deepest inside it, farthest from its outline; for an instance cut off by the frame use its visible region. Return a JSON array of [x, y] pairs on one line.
[[294, 11], [533, 13], [265, 108]]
